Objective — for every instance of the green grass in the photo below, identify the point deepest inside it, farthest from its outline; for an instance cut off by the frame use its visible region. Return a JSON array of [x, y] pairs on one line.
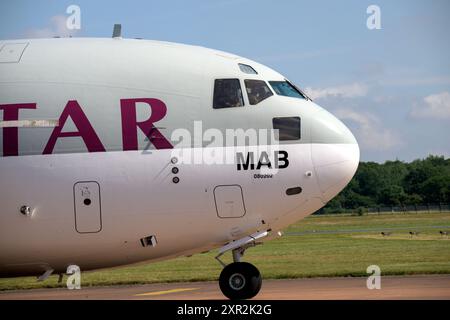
[[313, 254]]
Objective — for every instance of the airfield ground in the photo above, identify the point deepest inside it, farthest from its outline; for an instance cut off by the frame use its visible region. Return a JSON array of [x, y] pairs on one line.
[[424, 287], [318, 246]]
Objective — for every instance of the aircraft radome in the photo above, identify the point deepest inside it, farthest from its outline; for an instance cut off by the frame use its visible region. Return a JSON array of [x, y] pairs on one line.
[[116, 151]]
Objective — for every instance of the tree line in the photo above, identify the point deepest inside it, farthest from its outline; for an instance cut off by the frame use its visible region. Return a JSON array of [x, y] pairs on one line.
[[395, 183]]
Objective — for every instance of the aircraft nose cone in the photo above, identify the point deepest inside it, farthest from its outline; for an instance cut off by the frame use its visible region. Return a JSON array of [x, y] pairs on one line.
[[335, 155]]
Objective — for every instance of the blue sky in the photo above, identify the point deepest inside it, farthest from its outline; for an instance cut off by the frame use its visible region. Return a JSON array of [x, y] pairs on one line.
[[390, 86]]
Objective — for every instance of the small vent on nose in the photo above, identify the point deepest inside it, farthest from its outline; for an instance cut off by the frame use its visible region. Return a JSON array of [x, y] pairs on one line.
[[292, 191]]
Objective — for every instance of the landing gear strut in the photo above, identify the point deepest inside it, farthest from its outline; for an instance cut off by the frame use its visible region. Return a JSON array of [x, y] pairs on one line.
[[240, 280]]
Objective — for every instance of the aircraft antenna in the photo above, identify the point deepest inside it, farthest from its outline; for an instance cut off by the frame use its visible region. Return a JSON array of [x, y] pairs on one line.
[[117, 31]]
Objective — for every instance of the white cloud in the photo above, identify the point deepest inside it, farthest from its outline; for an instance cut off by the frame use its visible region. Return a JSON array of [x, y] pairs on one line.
[[413, 80], [56, 27], [344, 91], [434, 106], [369, 131]]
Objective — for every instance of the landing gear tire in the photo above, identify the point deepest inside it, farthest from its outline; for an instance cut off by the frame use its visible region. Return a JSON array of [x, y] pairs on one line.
[[240, 280]]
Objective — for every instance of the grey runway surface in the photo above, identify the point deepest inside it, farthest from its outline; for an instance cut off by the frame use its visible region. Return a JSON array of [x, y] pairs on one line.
[[392, 287]]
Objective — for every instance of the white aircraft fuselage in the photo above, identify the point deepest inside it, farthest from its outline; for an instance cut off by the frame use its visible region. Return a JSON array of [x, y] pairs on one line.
[[92, 158]]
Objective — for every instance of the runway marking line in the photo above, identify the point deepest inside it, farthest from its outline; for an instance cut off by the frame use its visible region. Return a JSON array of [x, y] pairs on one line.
[[157, 293]]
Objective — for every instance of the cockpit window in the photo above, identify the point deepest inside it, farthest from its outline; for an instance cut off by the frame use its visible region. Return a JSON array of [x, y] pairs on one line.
[[227, 94], [284, 88], [288, 128], [245, 68], [257, 91]]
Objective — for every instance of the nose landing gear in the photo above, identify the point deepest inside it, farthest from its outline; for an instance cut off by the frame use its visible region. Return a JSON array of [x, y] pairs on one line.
[[240, 280]]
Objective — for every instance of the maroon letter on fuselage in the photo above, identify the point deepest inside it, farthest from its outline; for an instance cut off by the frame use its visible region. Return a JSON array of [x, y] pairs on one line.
[[130, 123], [83, 125], [11, 134]]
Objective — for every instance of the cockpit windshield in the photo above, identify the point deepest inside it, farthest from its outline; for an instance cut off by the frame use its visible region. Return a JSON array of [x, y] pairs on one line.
[[257, 91], [285, 88], [227, 94]]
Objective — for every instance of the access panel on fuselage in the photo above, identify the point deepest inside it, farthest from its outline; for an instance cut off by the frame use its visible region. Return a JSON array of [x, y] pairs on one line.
[[12, 52], [88, 217], [229, 201]]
